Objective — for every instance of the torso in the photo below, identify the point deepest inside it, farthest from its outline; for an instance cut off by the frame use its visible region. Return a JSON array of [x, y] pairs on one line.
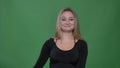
[[65, 56], [65, 45]]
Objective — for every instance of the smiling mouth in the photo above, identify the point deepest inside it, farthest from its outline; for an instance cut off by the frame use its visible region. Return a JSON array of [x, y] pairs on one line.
[[67, 26]]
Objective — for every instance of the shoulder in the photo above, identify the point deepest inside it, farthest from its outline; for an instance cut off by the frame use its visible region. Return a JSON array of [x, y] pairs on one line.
[[49, 40], [48, 43], [81, 43]]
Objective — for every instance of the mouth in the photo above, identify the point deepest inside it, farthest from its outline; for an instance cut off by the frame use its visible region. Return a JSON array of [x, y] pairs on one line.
[[67, 25]]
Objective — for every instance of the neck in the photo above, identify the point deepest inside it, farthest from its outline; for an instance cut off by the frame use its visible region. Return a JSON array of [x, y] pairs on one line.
[[67, 36]]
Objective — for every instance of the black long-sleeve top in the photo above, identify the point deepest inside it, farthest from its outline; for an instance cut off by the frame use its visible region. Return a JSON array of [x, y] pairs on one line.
[[73, 58]]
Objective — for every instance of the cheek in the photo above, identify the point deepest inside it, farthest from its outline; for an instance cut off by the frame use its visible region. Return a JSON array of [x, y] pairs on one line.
[[73, 24], [62, 22]]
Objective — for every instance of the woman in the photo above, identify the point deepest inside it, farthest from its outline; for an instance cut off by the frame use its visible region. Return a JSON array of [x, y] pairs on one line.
[[67, 49]]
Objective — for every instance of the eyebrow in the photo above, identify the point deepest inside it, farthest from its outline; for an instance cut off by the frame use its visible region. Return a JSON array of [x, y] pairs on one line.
[[65, 17], [71, 17]]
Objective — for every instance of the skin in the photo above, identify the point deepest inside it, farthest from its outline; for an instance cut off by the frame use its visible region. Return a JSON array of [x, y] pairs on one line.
[[67, 23]]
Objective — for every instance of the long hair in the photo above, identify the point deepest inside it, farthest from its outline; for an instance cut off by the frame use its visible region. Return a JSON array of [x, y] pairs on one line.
[[76, 31]]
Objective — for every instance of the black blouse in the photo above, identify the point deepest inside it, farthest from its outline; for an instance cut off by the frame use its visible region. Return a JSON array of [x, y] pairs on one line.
[[73, 58]]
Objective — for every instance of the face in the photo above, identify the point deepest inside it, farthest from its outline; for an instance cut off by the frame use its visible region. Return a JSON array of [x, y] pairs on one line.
[[67, 21]]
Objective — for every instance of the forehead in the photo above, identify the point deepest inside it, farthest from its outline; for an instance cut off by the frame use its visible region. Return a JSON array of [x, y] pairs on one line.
[[67, 14]]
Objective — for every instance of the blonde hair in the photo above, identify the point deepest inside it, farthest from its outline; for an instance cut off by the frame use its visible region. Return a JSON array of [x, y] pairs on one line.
[[76, 31]]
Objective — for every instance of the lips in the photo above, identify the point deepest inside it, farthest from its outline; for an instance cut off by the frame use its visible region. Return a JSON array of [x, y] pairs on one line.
[[67, 26]]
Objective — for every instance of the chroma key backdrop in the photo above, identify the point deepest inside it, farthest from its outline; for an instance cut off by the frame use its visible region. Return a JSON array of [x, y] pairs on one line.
[[26, 24]]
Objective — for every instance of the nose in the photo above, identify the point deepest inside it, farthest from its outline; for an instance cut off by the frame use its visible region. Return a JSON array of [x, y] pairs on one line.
[[67, 21]]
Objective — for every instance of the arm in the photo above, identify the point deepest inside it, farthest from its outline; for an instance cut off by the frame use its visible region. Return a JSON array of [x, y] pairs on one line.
[[43, 55], [83, 52]]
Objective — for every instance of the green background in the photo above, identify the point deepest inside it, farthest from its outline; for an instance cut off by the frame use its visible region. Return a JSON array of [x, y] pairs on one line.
[[26, 24]]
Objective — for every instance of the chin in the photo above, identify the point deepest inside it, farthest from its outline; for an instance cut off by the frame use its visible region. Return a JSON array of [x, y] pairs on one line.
[[67, 30]]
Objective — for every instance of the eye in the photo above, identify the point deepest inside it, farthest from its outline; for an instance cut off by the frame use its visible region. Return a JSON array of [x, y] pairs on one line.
[[63, 19], [71, 19]]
